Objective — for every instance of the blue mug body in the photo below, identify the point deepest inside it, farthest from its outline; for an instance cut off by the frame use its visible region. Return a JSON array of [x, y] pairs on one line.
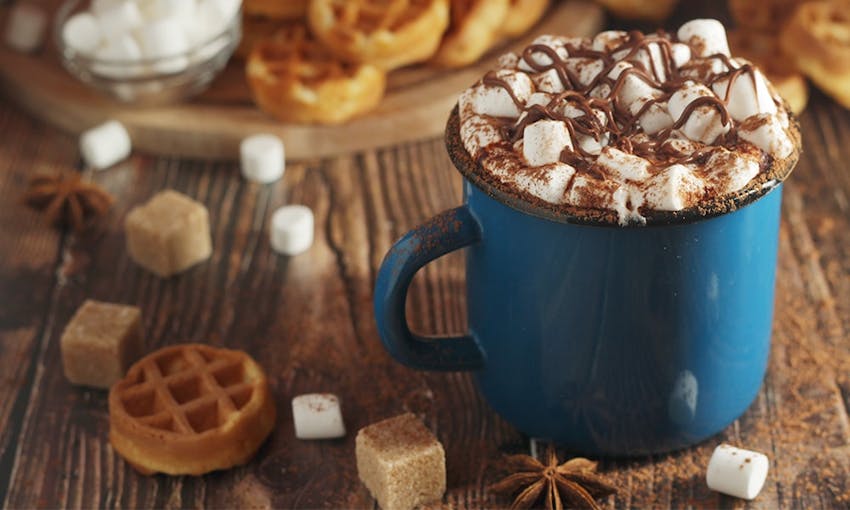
[[608, 340]]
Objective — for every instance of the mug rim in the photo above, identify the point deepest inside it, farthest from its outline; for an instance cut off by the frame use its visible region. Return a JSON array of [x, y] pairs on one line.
[[524, 202]]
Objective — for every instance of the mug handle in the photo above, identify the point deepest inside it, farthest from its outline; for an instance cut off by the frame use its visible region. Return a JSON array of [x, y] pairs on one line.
[[444, 233]]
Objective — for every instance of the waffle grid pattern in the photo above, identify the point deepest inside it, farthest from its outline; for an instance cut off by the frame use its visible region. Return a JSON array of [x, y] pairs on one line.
[[292, 54], [374, 15]]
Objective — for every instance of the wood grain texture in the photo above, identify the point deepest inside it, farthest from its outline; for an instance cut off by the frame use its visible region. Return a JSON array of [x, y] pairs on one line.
[[309, 321]]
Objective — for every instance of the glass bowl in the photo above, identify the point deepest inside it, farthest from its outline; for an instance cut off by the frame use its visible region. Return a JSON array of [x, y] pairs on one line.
[[149, 81]]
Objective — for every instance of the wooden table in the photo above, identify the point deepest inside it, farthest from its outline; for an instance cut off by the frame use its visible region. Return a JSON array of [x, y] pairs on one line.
[[309, 321]]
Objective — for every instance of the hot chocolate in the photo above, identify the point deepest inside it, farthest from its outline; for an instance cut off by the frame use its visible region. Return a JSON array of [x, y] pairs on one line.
[[627, 127]]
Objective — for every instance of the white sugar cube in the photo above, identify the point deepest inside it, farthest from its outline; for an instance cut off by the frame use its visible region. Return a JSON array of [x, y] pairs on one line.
[[163, 38], [82, 33], [737, 472], [292, 229], [25, 27], [105, 145], [262, 158], [317, 416], [119, 18]]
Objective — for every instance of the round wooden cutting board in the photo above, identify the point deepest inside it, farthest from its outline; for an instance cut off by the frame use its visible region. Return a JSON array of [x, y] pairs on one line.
[[210, 126]]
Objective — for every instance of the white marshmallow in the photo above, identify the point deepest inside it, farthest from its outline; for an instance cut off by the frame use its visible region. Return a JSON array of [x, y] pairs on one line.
[[538, 98], [635, 91], [681, 54], [627, 201], [551, 185], [550, 82], [262, 158], [765, 132], [25, 27], [731, 171], [601, 91], [292, 229], [650, 58], [705, 122], [212, 17], [496, 101], [673, 189], [737, 472], [119, 18], [165, 38], [591, 145], [82, 33], [116, 58], [104, 145], [624, 166], [98, 6], [745, 99], [317, 416], [477, 134], [608, 40], [706, 37], [180, 9], [540, 58], [585, 69], [544, 140], [655, 118], [509, 60], [618, 68]]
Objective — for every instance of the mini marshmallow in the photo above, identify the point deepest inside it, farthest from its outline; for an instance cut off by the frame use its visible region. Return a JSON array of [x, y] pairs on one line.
[[538, 98], [157, 9], [591, 145], [550, 186], [731, 171], [624, 166], [586, 69], [618, 68], [650, 58], [636, 91], [737, 472], [477, 133], [82, 33], [655, 118], [292, 229], [164, 38], [550, 82], [765, 132], [119, 18], [705, 36], [120, 50], [104, 145], [673, 189], [627, 201], [544, 140], [609, 40], [98, 6], [211, 18], [705, 122], [495, 100], [317, 416], [262, 158], [25, 27], [745, 98], [681, 54], [541, 59]]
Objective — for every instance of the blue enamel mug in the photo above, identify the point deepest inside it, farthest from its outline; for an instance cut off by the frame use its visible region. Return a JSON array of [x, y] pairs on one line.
[[608, 340]]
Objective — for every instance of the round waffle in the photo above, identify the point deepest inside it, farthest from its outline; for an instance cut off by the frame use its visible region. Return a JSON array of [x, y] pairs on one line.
[[276, 9], [817, 38], [190, 409], [296, 79], [475, 26], [385, 33], [762, 14], [521, 15], [763, 50], [650, 10]]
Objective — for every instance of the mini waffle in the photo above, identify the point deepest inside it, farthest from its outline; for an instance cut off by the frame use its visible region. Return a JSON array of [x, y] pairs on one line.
[[475, 26], [385, 33], [650, 10], [277, 9], [190, 409], [764, 51], [522, 14], [817, 38], [295, 79]]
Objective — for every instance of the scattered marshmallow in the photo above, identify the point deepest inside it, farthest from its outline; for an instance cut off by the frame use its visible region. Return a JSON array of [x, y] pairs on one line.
[[765, 131], [317, 416], [749, 95], [165, 38], [706, 36], [104, 145], [292, 229], [496, 101], [25, 27], [705, 122], [549, 187], [262, 158], [82, 33], [673, 189], [119, 18], [624, 166], [544, 141], [737, 472]]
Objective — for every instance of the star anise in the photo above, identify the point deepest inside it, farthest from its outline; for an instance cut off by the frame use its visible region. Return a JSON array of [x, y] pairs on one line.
[[573, 483], [67, 200]]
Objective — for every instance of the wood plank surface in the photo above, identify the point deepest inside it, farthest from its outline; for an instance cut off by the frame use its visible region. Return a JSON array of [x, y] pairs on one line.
[[309, 321]]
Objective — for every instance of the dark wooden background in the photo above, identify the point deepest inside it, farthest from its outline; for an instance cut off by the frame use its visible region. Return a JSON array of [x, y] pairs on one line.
[[309, 321]]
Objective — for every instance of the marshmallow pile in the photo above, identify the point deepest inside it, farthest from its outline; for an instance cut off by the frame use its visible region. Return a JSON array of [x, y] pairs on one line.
[[152, 36], [614, 122]]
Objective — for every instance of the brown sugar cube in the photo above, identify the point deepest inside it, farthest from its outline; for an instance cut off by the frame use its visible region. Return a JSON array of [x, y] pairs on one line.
[[401, 463], [169, 233], [100, 342]]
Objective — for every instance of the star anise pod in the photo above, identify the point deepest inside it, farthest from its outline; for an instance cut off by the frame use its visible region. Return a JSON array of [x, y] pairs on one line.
[[573, 483], [67, 200]]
